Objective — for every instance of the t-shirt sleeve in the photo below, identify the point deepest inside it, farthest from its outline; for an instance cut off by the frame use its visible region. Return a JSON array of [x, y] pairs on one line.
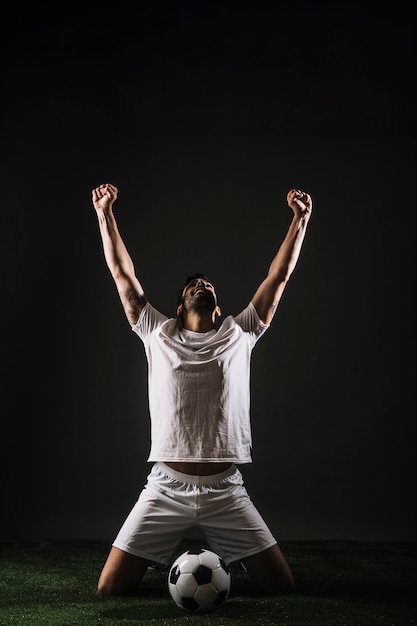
[[149, 319], [250, 321]]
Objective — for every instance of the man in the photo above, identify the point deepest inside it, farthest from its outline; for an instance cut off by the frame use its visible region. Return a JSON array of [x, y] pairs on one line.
[[198, 377]]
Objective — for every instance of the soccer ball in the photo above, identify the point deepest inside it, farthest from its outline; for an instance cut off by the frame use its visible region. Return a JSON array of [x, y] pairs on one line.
[[199, 581]]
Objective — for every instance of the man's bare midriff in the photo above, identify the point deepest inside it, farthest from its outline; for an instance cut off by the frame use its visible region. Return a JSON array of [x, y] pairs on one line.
[[199, 469]]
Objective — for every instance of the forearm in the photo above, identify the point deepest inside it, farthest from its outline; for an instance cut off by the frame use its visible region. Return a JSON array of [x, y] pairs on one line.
[[117, 257], [287, 256]]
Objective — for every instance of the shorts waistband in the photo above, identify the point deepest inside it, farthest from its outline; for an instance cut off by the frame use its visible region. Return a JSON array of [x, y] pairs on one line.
[[195, 479]]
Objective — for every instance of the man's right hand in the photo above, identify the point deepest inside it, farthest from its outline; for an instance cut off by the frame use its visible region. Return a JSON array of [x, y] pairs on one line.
[[104, 197]]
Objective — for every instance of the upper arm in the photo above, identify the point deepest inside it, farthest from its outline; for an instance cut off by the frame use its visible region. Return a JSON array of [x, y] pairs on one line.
[[133, 303], [267, 297], [132, 297]]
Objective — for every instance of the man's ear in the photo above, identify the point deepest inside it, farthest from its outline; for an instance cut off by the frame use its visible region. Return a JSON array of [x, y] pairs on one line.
[[217, 311], [179, 310]]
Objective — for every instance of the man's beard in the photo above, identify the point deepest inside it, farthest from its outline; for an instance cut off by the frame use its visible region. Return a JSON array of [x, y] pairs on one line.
[[202, 301]]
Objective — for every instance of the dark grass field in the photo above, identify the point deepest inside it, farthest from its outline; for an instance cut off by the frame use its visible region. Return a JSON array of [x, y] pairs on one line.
[[338, 584]]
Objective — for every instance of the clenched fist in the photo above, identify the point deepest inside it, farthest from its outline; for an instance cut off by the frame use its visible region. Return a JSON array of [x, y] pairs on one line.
[[300, 202], [104, 197]]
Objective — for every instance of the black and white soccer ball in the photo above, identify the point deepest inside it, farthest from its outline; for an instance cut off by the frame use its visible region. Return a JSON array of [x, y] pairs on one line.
[[199, 581]]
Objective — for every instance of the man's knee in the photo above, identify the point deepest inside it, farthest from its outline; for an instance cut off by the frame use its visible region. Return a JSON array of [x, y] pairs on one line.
[[122, 574], [107, 587], [117, 587], [269, 571]]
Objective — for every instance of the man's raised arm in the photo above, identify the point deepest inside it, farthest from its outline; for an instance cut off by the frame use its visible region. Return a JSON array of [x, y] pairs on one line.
[[117, 257], [269, 292]]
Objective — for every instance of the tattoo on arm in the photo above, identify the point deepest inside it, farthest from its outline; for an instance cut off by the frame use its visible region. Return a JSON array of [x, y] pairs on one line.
[[133, 303]]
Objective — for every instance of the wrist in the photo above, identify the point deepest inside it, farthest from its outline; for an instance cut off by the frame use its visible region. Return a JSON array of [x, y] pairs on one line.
[[107, 210]]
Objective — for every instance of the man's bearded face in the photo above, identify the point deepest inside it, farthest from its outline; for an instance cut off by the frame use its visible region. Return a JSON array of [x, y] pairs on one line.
[[199, 295]]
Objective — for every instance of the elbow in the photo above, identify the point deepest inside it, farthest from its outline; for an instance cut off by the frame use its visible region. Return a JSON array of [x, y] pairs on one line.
[[122, 275], [281, 276]]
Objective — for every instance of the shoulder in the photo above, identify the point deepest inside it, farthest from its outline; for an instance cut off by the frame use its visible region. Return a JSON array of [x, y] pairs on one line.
[[250, 322], [149, 320], [249, 318]]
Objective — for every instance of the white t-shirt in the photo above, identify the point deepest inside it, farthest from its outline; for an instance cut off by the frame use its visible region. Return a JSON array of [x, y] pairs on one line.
[[199, 387]]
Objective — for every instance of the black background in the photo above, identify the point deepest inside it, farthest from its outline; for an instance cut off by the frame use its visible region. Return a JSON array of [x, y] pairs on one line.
[[204, 115]]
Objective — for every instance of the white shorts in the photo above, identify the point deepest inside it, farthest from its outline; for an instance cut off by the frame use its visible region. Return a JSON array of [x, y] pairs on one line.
[[172, 505]]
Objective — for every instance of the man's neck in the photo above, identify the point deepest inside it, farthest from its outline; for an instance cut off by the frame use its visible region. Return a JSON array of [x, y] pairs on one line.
[[198, 322]]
